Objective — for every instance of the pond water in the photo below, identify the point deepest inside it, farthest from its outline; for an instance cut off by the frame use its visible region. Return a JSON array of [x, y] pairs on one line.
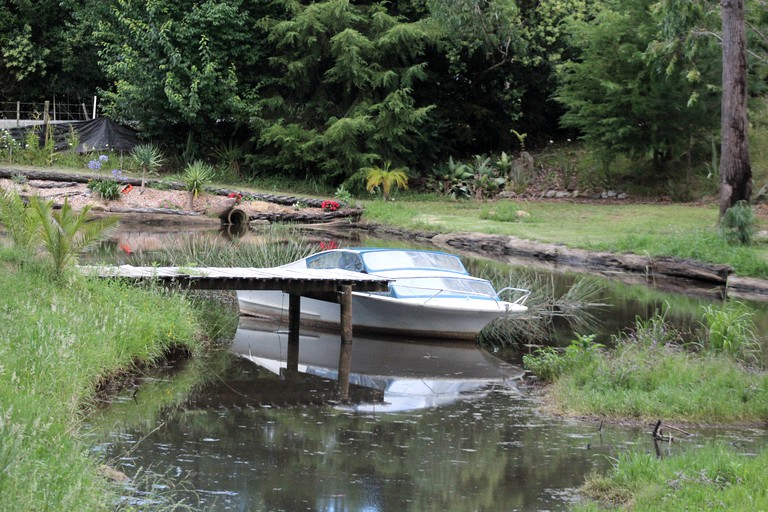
[[430, 426]]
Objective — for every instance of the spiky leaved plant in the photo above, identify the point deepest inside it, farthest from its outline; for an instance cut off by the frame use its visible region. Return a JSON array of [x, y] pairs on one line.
[[149, 159], [66, 233], [385, 178], [196, 176]]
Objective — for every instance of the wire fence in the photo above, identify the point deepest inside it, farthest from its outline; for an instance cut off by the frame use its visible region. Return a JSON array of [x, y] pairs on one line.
[[19, 113]]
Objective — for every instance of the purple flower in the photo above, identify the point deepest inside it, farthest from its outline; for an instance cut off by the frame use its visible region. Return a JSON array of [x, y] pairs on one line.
[[103, 158], [94, 165]]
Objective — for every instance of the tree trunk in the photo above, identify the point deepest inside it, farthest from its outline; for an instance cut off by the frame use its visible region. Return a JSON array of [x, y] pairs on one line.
[[735, 170]]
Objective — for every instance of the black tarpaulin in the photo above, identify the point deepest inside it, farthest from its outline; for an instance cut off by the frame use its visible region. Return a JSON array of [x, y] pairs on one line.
[[101, 134]]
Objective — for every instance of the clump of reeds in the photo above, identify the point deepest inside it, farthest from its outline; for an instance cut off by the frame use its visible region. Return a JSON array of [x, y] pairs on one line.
[[271, 248], [546, 307]]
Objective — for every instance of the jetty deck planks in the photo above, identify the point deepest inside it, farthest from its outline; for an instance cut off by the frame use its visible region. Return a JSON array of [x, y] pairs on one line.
[[298, 281]]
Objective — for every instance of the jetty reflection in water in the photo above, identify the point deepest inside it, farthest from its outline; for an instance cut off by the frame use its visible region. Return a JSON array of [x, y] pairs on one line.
[[407, 376]]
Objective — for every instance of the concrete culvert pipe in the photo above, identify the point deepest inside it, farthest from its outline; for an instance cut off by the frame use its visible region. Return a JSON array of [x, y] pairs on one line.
[[237, 216]]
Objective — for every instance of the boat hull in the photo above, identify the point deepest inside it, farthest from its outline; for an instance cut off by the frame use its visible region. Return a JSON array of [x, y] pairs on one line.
[[454, 319]]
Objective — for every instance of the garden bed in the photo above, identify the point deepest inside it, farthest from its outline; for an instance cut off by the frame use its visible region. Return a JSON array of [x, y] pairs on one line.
[[166, 198]]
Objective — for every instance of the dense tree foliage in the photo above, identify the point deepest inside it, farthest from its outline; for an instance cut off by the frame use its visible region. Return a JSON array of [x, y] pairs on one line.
[[183, 71], [322, 89], [341, 94], [636, 89], [495, 69], [47, 50]]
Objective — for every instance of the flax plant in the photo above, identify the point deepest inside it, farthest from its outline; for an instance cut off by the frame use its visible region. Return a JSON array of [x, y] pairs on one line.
[[546, 305]]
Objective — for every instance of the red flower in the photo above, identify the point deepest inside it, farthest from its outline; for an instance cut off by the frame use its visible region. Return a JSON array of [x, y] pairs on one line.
[[237, 197], [329, 206], [326, 246]]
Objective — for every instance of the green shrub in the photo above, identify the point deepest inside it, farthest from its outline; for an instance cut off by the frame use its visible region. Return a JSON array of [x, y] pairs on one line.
[[730, 329], [549, 363], [105, 188], [738, 225]]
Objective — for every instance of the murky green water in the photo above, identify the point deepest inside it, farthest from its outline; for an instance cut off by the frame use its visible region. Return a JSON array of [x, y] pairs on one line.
[[249, 439], [436, 427]]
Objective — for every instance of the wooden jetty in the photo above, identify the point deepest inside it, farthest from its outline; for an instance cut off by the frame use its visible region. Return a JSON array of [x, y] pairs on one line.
[[294, 281], [333, 285]]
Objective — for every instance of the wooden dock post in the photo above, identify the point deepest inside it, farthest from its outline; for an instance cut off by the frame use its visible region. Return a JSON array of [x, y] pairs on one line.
[[345, 352], [294, 322]]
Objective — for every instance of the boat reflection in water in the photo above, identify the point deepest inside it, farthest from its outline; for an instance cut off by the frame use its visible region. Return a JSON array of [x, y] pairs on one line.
[[406, 376]]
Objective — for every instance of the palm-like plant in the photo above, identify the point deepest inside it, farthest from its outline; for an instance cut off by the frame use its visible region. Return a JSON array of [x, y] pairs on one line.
[[66, 233], [149, 159], [196, 176], [386, 178]]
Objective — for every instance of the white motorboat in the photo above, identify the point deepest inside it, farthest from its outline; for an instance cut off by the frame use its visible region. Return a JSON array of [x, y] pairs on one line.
[[431, 294]]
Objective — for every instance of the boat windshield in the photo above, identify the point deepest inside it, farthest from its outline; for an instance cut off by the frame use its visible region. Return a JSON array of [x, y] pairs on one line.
[[344, 260], [377, 261], [444, 286]]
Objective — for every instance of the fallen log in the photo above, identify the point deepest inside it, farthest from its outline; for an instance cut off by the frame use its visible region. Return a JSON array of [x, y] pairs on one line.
[[49, 184], [747, 288], [352, 213], [560, 254], [154, 211]]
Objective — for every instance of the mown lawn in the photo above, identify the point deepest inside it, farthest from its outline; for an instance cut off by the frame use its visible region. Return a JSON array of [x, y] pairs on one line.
[[657, 229]]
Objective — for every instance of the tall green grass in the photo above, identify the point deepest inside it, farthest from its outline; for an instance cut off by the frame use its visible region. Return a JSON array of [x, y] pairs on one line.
[[58, 345], [714, 477], [650, 374]]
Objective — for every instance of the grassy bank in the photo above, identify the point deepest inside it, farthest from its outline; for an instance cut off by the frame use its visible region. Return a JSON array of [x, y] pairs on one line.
[[656, 373], [685, 231], [59, 343], [716, 477]]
